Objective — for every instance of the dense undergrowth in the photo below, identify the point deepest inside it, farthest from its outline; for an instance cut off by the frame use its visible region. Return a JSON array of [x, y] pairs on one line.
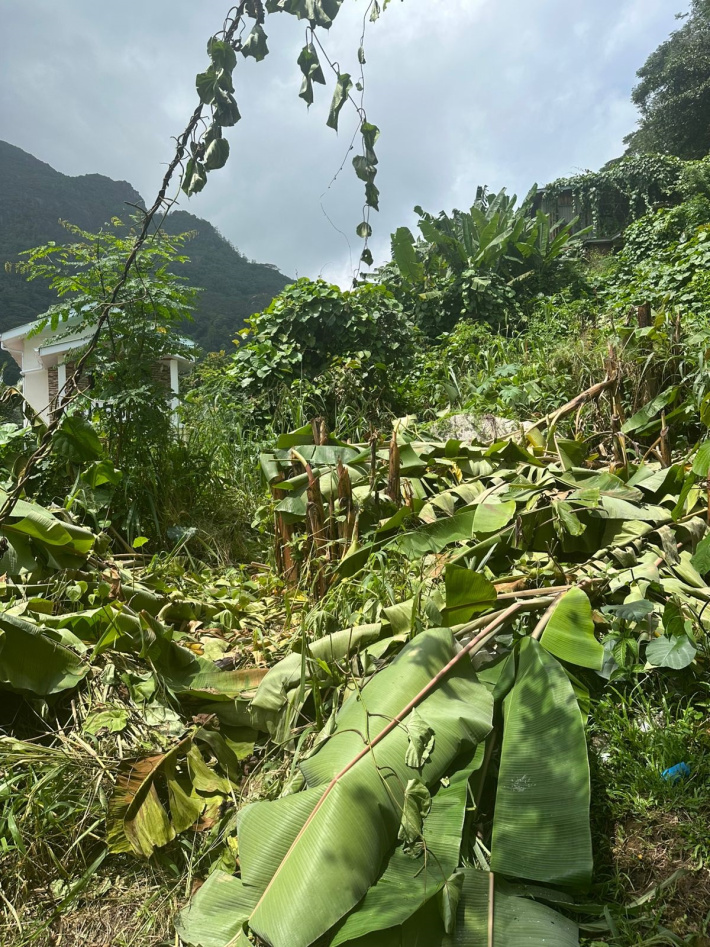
[[197, 623]]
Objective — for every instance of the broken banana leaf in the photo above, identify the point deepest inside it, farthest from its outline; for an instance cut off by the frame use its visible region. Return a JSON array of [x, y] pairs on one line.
[[349, 815], [137, 819], [275, 691], [408, 883], [516, 921], [36, 538], [541, 828], [33, 662]]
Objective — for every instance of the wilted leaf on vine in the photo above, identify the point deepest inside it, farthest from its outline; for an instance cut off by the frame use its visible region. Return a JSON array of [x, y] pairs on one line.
[[340, 96], [195, 177], [370, 133], [226, 111], [364, 169], [417, 802], [421, 741], [211, 82], [364, 230], [216, 154], [372, 196], [255, 45], [221, 54], [312, 72], [637, 610]]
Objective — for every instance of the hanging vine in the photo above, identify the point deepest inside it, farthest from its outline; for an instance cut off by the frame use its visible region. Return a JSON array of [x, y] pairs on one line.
[[209, 150]]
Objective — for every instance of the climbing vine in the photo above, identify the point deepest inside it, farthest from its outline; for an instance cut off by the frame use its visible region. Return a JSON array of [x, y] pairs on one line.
[[621, 192]]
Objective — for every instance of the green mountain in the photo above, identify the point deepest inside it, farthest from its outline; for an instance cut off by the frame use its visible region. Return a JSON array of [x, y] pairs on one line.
[[34, 198]]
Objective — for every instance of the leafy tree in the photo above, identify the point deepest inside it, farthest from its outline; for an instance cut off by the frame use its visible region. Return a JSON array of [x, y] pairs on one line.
[[124, 392], [335, 342], [673, 95]]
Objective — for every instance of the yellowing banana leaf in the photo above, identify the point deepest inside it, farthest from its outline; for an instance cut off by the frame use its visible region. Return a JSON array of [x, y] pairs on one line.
[[137, 819], [541, 826], [348, 816], [569, 634]]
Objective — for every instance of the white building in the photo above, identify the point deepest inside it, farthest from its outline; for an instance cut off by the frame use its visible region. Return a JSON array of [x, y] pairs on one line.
[[47, 357]]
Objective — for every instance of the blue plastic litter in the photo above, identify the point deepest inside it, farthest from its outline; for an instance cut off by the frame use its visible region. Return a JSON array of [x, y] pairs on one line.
[[675, 773]]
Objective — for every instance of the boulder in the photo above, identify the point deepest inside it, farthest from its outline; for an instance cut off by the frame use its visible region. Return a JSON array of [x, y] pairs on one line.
[[483, 428]]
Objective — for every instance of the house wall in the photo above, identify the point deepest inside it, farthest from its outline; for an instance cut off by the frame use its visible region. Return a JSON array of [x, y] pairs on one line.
[[35, 387]]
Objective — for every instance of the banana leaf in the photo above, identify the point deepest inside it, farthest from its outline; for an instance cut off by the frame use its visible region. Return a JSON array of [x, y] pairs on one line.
[[32, 662], [541, 828], [407, 883], [569, 634], [313, 855], [517, 921]]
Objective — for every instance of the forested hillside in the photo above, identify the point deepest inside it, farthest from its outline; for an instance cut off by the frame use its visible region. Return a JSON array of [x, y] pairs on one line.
[[34, 198]]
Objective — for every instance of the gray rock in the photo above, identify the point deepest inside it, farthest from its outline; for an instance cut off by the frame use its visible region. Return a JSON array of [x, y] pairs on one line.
[[485, 428]]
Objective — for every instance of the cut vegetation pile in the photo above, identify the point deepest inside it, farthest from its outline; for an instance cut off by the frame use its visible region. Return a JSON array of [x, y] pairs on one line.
[[388, 742]]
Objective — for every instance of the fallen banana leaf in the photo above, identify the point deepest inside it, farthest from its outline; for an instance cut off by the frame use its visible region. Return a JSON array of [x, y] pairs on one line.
[[137, 819], [569, 634], [32, 662], [349, 815], [407, 883], [541, 827]]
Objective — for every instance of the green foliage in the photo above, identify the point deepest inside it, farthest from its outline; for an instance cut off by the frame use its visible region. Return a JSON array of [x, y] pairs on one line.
[[480, 371], [127, 397], [672, 276], [477, 265], [623, 190], [337, 343], [673, 95]]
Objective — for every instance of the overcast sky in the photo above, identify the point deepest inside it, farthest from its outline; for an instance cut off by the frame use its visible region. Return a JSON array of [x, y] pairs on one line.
[[466, 92]]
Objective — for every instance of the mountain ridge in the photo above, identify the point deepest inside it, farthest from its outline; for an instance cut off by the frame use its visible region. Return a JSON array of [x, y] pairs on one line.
[[34, 197]]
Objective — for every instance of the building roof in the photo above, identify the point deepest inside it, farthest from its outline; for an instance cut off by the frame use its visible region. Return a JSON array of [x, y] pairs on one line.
[[13, 341]]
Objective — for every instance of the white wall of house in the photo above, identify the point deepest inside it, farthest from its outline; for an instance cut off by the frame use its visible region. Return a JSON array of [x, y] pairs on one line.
[[35, 388], [43, 352]]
